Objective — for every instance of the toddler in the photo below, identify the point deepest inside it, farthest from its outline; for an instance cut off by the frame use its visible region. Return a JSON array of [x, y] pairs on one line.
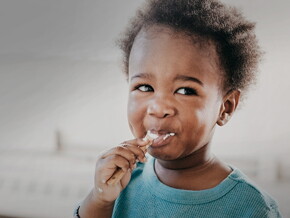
[[188, 64]]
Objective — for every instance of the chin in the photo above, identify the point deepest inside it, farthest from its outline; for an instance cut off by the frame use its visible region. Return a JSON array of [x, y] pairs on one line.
[[161, 156]]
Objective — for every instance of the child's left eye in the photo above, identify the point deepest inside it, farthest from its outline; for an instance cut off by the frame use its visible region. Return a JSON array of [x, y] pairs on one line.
[[186, 91]]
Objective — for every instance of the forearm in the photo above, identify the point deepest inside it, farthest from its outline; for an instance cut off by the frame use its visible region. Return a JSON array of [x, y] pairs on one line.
[[90, 208]]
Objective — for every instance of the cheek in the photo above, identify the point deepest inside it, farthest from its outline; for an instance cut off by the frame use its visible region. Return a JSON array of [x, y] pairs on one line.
[[133, 109], [206, 119], [198, 122], [135, 114]]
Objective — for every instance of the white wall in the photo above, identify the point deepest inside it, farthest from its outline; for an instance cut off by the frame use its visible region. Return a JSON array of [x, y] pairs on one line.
[[60, 67], [84, 100]]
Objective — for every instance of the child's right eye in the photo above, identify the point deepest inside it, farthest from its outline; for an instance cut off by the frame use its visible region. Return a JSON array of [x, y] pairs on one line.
[[144, 88]]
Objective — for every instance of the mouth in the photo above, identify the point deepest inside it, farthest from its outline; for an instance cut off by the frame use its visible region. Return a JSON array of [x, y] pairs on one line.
[[158, 138]]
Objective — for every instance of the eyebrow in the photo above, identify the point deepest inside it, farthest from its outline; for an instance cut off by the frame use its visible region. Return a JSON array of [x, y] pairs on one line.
[[141, 75], [188, 78], [179, 77]]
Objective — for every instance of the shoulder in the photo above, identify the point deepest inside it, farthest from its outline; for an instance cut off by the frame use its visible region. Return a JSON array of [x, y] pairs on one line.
[[251, 196]]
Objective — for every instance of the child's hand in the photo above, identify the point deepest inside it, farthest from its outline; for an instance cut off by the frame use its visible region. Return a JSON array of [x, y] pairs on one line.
[[122, 157]]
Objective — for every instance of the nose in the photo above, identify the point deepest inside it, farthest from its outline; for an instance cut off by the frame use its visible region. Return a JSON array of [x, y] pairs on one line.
[[161, 107]]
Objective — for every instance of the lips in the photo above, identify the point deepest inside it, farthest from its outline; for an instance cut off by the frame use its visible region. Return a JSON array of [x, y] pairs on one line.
[[159, 138]]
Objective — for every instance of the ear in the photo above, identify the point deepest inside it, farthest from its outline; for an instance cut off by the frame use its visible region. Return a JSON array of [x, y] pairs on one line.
[[228, 107]]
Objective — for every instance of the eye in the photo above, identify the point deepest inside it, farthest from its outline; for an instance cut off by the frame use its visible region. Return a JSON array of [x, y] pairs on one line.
[[186, 91], [144, 88]]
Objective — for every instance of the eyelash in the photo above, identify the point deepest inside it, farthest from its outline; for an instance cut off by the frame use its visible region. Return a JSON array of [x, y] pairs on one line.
[[189, 91], [145, 85]]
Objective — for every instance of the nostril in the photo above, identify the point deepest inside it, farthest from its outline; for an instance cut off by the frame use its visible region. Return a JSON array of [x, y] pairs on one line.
[[166, 115], [161, 112], [161, 108]]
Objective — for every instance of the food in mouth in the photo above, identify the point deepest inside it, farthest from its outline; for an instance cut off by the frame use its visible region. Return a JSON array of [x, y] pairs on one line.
[[157, 139], [152, 136]]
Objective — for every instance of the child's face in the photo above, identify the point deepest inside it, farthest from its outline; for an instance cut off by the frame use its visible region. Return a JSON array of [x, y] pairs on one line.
[[174, 87]]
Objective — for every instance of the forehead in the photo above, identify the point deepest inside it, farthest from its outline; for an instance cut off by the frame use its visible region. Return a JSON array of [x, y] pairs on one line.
[[163, 50]]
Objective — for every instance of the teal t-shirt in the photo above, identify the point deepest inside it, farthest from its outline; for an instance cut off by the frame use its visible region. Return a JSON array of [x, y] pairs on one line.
[[146, 196]]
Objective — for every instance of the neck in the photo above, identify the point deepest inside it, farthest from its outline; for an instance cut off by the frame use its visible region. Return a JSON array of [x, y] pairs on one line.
[[200, 170], [195, 161]]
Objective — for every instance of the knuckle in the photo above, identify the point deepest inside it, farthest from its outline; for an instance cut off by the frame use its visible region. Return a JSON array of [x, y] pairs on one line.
[[123, 163], [119, 149], [124, 143], [126, 164], [140, 153], [114, 157], [133, 159]]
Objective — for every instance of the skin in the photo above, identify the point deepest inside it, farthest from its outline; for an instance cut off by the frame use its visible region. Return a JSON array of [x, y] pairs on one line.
[[174, 86]]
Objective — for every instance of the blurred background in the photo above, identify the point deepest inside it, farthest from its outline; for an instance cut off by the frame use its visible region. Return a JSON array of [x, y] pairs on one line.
[[63, 100]]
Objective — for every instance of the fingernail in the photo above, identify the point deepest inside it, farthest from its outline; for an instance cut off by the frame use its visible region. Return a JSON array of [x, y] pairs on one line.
[[104, 181]]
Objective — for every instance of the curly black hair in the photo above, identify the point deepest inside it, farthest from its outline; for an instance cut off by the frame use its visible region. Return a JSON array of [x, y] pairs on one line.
[[233, 35]]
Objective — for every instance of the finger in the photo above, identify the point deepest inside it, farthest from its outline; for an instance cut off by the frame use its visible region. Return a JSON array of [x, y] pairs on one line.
[[139, 152], [108, 166], [137, 142], [124, 152], [140, 143], [137, 146]]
